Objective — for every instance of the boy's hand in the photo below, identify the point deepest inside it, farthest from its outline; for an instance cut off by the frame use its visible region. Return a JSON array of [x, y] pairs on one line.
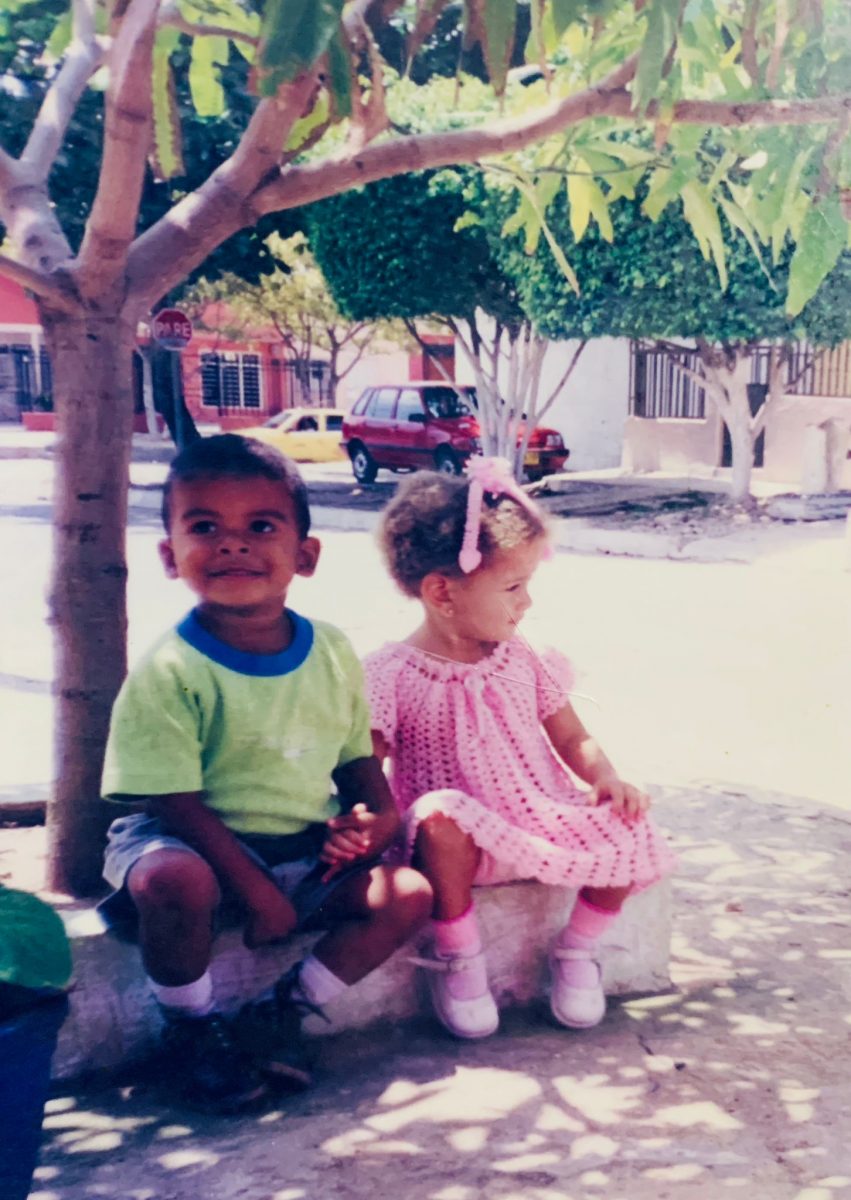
[[357, 834], [270, 917], [625, 798]]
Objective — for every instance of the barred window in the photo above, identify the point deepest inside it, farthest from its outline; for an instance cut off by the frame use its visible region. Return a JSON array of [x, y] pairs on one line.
[[231, 380]]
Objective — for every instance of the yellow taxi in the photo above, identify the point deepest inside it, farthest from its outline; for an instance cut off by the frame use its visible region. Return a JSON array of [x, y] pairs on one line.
[[303, 434]]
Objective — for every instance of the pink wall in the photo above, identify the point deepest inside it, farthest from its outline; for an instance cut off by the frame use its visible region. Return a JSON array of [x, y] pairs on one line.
[[16, 308]]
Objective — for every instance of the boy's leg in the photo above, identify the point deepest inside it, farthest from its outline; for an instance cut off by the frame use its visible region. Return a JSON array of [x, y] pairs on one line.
[[373, 913], [176, 894]]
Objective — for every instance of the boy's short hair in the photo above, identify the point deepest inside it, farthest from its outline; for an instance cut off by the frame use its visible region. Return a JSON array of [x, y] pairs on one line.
[[422, 528], [235, 457]]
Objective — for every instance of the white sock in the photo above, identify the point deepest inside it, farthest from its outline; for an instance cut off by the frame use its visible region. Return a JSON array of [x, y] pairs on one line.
[[316, 983], [193, 999]]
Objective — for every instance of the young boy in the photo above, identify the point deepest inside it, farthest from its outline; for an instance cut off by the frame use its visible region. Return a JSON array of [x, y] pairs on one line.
[[231, 730]]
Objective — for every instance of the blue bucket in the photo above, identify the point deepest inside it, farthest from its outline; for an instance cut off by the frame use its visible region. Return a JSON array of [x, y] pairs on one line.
[[27, 1042]]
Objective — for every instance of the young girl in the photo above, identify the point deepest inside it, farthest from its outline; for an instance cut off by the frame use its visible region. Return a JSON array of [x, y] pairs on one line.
[[479, 732]]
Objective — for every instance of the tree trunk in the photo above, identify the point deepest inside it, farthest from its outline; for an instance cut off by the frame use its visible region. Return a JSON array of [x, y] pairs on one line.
[[92, 371]]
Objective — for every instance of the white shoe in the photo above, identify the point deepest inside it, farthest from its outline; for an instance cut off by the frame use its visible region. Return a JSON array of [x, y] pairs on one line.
[[476, 1017], [576, 1007]]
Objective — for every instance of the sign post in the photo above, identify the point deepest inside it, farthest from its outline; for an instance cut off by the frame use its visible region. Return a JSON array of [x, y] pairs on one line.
[[172, 330]]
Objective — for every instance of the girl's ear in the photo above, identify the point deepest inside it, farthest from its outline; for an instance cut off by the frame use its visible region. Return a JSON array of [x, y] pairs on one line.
[[308, 556], [437, 591], [167, 558]]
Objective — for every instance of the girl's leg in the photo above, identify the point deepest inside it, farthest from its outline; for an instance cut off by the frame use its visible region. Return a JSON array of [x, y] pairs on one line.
[[577, 998], [449, 859]]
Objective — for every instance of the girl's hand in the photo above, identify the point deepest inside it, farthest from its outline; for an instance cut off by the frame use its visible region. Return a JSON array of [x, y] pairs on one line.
[[357, 834], [625, 798]]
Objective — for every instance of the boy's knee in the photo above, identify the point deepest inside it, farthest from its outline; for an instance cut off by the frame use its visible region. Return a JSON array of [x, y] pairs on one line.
[[173, 880], [412, 895]]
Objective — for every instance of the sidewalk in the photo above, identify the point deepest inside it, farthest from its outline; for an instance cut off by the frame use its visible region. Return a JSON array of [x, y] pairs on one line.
[[735, 1082]]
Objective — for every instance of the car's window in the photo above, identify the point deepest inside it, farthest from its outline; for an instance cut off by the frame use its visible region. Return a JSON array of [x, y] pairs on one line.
[[382, 405], [307, 425], [445, 403], [409, 402], [276, 421], [334, 421], [360, 404]]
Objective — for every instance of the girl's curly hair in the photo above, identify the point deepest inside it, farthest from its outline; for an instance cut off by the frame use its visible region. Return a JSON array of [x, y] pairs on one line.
[[422, 527]]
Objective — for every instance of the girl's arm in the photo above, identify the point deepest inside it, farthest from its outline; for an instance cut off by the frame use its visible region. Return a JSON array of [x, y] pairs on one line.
[[584, 756]]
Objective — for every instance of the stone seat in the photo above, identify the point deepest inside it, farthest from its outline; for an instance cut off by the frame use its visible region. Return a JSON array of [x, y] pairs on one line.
[[113, 1018]]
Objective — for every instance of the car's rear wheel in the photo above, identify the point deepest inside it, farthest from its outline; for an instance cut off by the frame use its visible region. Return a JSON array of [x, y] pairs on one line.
[[364, 467], [447, 462]]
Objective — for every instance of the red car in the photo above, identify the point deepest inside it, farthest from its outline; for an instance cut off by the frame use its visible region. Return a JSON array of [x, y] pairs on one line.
[[413, 425]]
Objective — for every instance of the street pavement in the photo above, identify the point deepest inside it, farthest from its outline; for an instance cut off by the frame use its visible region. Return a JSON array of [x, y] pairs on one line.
[[723, 685]]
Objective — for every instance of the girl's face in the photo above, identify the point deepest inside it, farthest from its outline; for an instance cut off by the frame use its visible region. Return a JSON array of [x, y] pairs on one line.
[[488, 605]]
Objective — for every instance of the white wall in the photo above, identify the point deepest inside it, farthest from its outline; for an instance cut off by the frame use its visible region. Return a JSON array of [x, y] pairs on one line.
[[591, 409], [373, 369]]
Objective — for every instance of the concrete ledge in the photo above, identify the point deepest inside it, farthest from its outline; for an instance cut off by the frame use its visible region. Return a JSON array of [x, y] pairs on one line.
[[113, 1018]]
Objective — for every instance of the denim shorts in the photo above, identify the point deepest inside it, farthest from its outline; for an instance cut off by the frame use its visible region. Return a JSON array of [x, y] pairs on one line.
[[290, 860]]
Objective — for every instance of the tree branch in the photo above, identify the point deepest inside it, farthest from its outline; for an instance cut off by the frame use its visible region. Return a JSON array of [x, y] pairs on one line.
[[82, 59], [170, 15], [43, 286], [127, 138], [314, 181]]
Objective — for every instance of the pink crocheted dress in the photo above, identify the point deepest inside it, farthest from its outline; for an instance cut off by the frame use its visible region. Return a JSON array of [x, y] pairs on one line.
[[467, 740]]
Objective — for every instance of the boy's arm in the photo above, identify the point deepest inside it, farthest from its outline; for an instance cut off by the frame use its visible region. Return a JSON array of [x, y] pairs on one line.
[[584, 756], [372, 822], [270, 916]]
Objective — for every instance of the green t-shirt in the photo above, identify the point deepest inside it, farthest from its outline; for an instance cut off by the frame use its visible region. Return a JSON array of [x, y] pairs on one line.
[[259, 735]]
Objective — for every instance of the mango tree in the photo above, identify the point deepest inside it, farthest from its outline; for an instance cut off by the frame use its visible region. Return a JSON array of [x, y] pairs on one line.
[[325, 118]]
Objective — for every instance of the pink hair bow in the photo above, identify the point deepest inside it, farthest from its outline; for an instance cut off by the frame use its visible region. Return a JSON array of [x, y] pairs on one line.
[[494, 476]]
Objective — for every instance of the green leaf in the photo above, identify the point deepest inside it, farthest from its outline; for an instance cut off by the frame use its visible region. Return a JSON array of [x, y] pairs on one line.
[[167, 152], [600, 212], [340, 73], [208, 95], [60, 39], [498, 25], [579, 197], [823, 236], [661, 17], [565, 12], [738, 220], [303, 128], [702, 216], [294, 34]]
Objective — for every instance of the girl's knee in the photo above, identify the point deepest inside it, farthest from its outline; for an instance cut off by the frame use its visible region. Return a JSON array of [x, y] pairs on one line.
[[440, 834], [171, 880]]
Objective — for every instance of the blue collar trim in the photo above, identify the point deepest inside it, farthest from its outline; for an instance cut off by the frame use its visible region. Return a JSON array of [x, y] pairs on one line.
[[193, 632]]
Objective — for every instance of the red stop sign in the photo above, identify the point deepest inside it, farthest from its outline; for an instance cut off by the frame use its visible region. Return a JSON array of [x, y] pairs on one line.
[[171, 328]]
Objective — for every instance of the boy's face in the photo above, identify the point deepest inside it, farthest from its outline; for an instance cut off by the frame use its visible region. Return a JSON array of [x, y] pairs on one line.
[[235, 542]]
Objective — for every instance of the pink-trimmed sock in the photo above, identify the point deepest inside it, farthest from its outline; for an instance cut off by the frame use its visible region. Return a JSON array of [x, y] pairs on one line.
[[459, 938], [583, 931]]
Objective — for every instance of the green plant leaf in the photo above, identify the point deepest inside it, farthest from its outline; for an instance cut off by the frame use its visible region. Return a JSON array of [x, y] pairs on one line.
[[498, 22], [661, 17], [208, 95], [702, 216], [167, 149], [294, 34], [340, 73], [824, 233], [565, 12]]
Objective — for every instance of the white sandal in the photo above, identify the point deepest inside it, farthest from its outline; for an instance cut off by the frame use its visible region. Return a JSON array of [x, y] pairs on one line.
[[477, 1017]]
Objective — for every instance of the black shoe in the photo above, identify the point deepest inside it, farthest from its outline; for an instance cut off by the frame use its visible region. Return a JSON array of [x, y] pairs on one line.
[[270, 1033], [214, 1074]]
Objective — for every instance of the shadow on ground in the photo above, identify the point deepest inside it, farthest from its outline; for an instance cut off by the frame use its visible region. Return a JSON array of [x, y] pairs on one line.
[[733, 1083]]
